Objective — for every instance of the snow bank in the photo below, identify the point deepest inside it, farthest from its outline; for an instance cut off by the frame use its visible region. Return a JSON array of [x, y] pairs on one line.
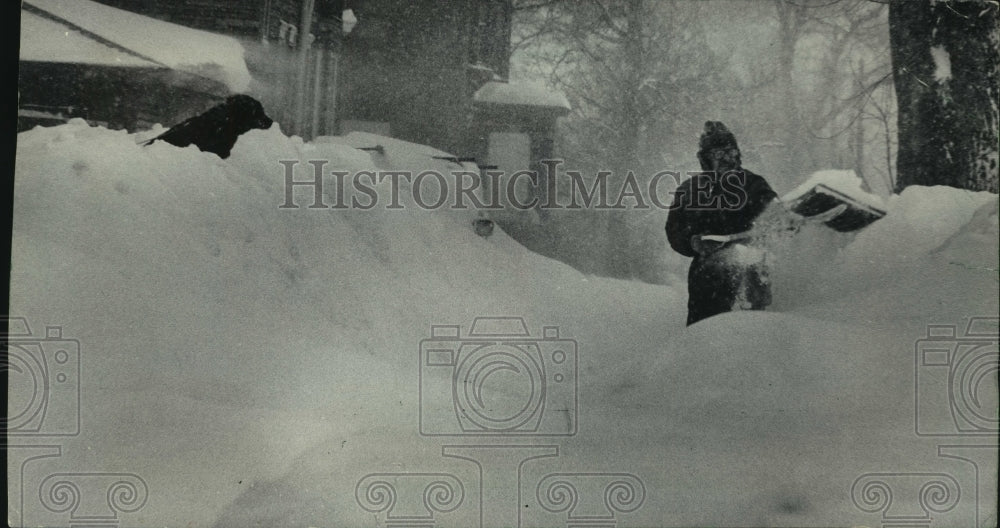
[[214, 56], [919, 219], [253, 364], [189, 287]]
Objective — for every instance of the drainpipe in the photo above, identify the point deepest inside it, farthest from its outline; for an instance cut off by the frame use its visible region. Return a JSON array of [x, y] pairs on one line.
[[300, 93], [317, 91]]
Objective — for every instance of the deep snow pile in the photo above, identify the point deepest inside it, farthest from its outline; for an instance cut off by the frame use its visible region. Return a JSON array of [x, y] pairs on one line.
[[252, 364], [845, 181]]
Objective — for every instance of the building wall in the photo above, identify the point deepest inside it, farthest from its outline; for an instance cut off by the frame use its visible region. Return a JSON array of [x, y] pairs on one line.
[[406, 64], [114, 97], [233, 17], [492, 27]]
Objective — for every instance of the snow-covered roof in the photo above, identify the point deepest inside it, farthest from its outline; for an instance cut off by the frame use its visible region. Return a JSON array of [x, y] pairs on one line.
[[521, 94], [143, 41], [46, 40], [843, 181]]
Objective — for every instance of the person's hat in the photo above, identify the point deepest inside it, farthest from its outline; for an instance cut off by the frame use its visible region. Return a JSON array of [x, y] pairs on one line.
[[716, 135]]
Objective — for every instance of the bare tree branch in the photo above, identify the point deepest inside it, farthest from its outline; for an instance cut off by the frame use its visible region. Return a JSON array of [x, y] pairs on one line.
[[608, 19], [528, 6]]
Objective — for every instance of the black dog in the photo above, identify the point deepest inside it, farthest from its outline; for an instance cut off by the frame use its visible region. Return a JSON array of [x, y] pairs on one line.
[[217, 129]]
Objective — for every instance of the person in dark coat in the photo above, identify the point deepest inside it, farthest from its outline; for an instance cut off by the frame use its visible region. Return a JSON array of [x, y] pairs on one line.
[[725, 199]]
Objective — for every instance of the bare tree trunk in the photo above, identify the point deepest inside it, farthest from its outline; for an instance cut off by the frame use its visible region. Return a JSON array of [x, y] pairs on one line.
[[859, 137], [859, 148], [632, 118], [631, 126], [945, 59], [789, 21]]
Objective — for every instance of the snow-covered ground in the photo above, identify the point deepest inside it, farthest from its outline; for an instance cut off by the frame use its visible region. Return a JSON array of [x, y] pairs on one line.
[[245, 365]]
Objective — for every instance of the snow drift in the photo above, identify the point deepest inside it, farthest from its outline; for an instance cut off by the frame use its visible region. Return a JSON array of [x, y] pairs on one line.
[[254, 364]]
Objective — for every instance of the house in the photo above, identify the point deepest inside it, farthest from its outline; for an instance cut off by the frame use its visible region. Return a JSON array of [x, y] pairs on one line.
[[434, 73], [425, 71], [118, 69]]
